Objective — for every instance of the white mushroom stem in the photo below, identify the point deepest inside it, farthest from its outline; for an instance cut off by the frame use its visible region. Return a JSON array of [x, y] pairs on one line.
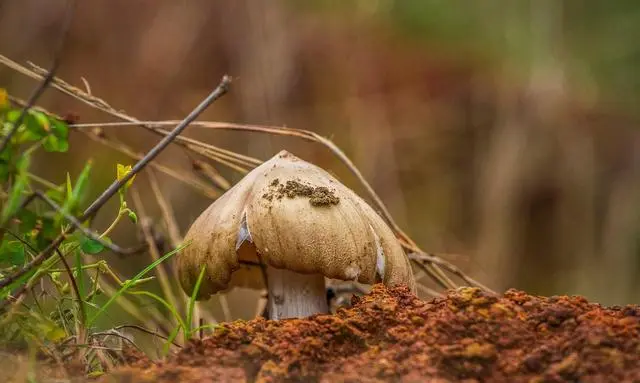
[[294, 295]]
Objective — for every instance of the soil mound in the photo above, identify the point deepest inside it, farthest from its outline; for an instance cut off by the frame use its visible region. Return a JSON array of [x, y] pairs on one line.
[[390, 335]]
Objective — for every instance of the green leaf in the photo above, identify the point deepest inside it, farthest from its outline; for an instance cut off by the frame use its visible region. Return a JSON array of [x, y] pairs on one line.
[[15, 195], [75, 194], [28, 221], [42, 119], [132, 216], [51, 331], [55, 144], [90, 246], [68, 185], [81, 183], [59, 129], [12, 253], [55, 277], [31, 128], [49, 229], [12, 115], [57, 140], [122, 171]]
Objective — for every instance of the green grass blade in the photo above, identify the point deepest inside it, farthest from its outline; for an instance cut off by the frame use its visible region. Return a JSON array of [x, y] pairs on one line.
[[192, 302], [166, 304], [75, 193], [80, 281], [170, 339], [130, 282]]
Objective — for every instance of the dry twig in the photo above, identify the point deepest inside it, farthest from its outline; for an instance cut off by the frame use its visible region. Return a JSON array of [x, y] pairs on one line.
[[219, 91], [431, 264]]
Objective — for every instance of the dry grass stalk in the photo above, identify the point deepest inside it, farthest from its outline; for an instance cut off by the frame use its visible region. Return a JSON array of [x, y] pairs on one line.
[[429, 263], [163, 277]]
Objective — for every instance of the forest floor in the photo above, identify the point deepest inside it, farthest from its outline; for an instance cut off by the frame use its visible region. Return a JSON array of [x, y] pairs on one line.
[[391, 335]]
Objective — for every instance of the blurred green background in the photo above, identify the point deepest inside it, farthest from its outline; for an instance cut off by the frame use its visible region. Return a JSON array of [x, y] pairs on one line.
[[501, 133]]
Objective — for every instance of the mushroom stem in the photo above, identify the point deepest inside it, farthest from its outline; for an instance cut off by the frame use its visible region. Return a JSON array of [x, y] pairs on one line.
[[295, 295]]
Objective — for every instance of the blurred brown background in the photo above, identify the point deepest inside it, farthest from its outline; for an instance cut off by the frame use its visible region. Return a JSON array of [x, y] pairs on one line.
[[503, 131]]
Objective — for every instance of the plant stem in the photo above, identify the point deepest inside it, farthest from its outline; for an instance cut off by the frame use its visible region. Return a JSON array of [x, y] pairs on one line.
[[113, 224], [218, 92]]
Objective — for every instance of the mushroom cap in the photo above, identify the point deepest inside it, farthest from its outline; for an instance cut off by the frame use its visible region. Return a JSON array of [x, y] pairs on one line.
[[290, 214]]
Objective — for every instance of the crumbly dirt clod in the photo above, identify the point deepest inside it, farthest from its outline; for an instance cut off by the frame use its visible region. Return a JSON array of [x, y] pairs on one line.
[[318, 195], [390, 335]]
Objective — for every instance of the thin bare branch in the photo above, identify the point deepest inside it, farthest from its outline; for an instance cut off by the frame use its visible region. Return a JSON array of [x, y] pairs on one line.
[[282, 131], [207, 150], [114, 332], [147, 331], [183, 177], [218, 92], [424, 257], [435, 264], [211, 174], [432, 268]]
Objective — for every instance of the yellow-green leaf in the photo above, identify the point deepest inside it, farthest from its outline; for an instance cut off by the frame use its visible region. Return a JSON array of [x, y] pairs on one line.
[[51, 331], [42, 119], [56, 334], [122, 171], [69, 187]]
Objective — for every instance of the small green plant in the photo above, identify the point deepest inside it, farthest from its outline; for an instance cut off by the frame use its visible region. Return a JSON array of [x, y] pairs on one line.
[[57, 303]]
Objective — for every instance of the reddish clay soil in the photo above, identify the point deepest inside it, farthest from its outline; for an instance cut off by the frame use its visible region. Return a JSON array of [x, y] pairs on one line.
[[390, 335]]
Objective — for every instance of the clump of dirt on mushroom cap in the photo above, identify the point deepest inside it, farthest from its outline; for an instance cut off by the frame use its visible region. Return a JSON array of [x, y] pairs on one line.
[[318, 195], [290, 214]]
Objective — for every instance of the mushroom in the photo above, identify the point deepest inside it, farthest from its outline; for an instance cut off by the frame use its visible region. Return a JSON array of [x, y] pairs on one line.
[[300, 223]]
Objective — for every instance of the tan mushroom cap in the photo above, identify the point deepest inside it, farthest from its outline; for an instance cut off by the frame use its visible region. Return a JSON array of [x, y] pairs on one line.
[[290, 214]]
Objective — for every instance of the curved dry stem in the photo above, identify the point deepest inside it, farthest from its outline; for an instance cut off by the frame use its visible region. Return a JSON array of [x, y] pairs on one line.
[[212, 152], [205, 189], [435, 265]]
